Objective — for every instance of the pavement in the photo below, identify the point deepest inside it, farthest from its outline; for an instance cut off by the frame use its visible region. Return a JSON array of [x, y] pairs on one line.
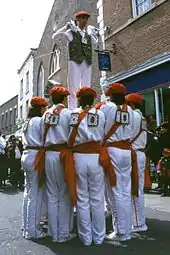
[[155, 241]]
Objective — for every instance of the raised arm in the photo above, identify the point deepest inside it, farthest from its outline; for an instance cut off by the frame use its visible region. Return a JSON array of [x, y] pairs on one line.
[[94, 32], [66, 30]]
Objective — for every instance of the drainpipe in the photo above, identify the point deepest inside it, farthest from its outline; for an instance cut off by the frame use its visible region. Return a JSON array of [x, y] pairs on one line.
[[157, 107], [162, 105], [100, 21]]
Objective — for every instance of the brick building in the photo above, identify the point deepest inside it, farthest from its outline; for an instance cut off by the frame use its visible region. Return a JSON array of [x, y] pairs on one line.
[[25, 89], [51, 57], [8, 116], [138, 32]]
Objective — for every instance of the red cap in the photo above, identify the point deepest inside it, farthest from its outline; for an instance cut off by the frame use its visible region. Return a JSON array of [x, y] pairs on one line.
[[86, 91], [59, 90], [115, 88], [82, 13], [134, 98], [38, 101]]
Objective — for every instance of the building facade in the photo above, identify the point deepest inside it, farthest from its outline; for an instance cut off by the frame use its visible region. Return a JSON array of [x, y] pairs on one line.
[[25, 92], [138, 33], [8, 116], [51, 56]]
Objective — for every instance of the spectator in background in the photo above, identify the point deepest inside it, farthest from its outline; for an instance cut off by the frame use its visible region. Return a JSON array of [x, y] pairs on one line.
[[15, 150], [2, 160]]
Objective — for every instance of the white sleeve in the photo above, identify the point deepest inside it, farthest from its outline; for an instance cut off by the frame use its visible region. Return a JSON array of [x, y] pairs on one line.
[[103, 120], [94, 40], [68, 113], [2, 143], [69, 35], [135, 124], [64, 30]]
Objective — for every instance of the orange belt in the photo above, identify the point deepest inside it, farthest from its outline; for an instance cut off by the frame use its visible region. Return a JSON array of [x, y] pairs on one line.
[[126, 145], [39, 162], [67, 159]]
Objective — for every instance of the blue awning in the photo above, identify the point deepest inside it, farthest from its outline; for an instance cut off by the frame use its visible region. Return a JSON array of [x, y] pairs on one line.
[[156, 77]]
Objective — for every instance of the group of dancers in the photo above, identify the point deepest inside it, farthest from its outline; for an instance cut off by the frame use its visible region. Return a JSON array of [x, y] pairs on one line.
[[83, 158]]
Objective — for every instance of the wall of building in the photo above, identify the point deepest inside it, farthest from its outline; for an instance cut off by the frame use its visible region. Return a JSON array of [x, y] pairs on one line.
[[63, 11], [8, 116], [25, 77], [138, 38]]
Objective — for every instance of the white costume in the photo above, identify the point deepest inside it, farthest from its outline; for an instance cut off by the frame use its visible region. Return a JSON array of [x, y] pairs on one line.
[[138, 145], [78, 74], [33, 195], [90, 180], [59, 203], [120, 195], [2, 145]]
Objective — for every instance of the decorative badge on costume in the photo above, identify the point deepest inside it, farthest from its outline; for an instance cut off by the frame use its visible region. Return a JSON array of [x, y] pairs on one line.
[[25, 126], [92, 120], [51, 119], [74, 119], [122, 117]]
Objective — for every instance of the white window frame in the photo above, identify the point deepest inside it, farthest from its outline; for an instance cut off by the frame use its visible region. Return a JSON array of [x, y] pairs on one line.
[[55, 61], [26, 106], [135, 8], [21, 88], [6, 119], [41, 81], [27, 81], [21, 111]]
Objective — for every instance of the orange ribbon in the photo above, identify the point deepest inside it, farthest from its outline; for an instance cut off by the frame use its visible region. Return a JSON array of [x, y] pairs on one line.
[[67, 159], [126, 145], [39, 162], [39, 165]]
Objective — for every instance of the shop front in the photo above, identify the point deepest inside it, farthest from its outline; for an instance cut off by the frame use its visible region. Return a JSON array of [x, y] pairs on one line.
[[152, 80]]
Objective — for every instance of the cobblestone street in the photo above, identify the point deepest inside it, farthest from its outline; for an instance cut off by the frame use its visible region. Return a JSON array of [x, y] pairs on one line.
[[155, 241]]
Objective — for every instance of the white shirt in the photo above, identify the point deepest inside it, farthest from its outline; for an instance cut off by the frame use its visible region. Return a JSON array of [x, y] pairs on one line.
[[2, 145], [140, 142], [82, 32], [17, 153], [57, 134], [69, 35], [31, 137], [123, 132], [88, 133]]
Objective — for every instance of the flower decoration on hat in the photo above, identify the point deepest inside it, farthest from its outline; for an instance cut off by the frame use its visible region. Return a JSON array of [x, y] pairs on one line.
[[115, 88], [59, 90], [82, 13], [86, 91], [35, 101], [134, 98]]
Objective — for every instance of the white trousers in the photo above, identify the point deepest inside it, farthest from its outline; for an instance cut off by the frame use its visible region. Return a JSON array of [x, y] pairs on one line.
[[108, 203], [58, 198], [79, 75], [138, 202], [44, 213], [90, 198], [32, 203], [120, 195]]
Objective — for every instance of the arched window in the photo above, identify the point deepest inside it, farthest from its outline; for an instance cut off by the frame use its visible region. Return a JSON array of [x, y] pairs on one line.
[[55, 60], [40, 81]]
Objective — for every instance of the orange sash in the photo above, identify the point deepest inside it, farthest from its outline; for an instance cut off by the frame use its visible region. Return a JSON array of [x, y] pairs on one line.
[[39, 162], [67, 159], [126, 145]]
